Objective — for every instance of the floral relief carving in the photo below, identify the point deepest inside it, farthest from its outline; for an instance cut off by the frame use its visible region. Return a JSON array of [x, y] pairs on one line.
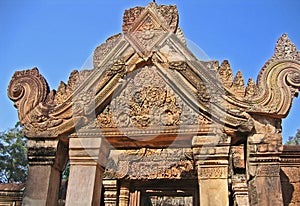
[[154, 164], [170, 14], [130, 16], [213, 172], [102, 50], [148, 32]]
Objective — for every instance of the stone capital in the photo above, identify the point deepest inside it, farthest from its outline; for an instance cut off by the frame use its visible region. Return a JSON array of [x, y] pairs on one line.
[[42, 151], [88, 151]]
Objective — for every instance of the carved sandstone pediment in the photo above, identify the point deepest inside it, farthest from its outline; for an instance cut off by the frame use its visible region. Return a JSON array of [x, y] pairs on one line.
[[146, 81]]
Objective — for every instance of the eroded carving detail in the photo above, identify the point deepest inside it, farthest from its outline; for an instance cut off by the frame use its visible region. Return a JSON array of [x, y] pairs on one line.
[[251, 88], [268, 170], [145, 101], [102, 50], [212, 172], [130, 16], [203, 92], [154, 164], [225, 73], [179, 66], [148, 33], [238, 85], [285, 49], [168, 14]]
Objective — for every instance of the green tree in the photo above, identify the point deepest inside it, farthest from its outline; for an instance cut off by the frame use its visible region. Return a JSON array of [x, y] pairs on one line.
[[13, 155], [294, 140]]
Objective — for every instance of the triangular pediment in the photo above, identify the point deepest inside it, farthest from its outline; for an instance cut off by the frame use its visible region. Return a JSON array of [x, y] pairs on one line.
[[204, 97], [163, 92]]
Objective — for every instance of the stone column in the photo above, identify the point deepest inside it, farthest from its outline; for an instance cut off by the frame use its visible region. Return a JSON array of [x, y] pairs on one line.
[[263, 165], [238, 176], [135, 198], [47, 158], [240, 190], [124, 193], [211, 155], [88, 157], [110, 192]]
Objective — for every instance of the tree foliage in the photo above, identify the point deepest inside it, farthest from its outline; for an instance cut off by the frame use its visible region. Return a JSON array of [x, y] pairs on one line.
[[294, 140], [13, 156]]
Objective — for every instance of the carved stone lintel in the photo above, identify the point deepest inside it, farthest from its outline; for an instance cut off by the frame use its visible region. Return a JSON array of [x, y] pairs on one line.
[[154, 164]]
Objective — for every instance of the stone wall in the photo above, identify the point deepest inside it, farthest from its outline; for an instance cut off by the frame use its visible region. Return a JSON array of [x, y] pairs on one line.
[[290, 175], [11, 194]]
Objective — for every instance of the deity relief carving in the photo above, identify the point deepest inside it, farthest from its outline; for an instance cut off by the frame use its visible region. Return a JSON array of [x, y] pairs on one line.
[[145, 101]]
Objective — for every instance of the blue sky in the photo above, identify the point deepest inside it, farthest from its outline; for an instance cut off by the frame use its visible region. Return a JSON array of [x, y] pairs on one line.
[[57, 36]]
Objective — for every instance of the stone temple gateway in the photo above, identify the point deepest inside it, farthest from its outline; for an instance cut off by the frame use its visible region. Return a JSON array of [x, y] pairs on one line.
[[151, 124]]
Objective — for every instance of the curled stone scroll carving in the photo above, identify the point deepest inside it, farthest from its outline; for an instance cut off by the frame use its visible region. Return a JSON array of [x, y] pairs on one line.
[[43, 113], [27, 89]]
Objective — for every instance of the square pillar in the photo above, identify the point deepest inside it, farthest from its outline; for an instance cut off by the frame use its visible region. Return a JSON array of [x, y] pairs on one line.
[[238, 176], [240, 190], [88, 157], [124, 193], [47, 158], [263, 165], [211, 155]]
